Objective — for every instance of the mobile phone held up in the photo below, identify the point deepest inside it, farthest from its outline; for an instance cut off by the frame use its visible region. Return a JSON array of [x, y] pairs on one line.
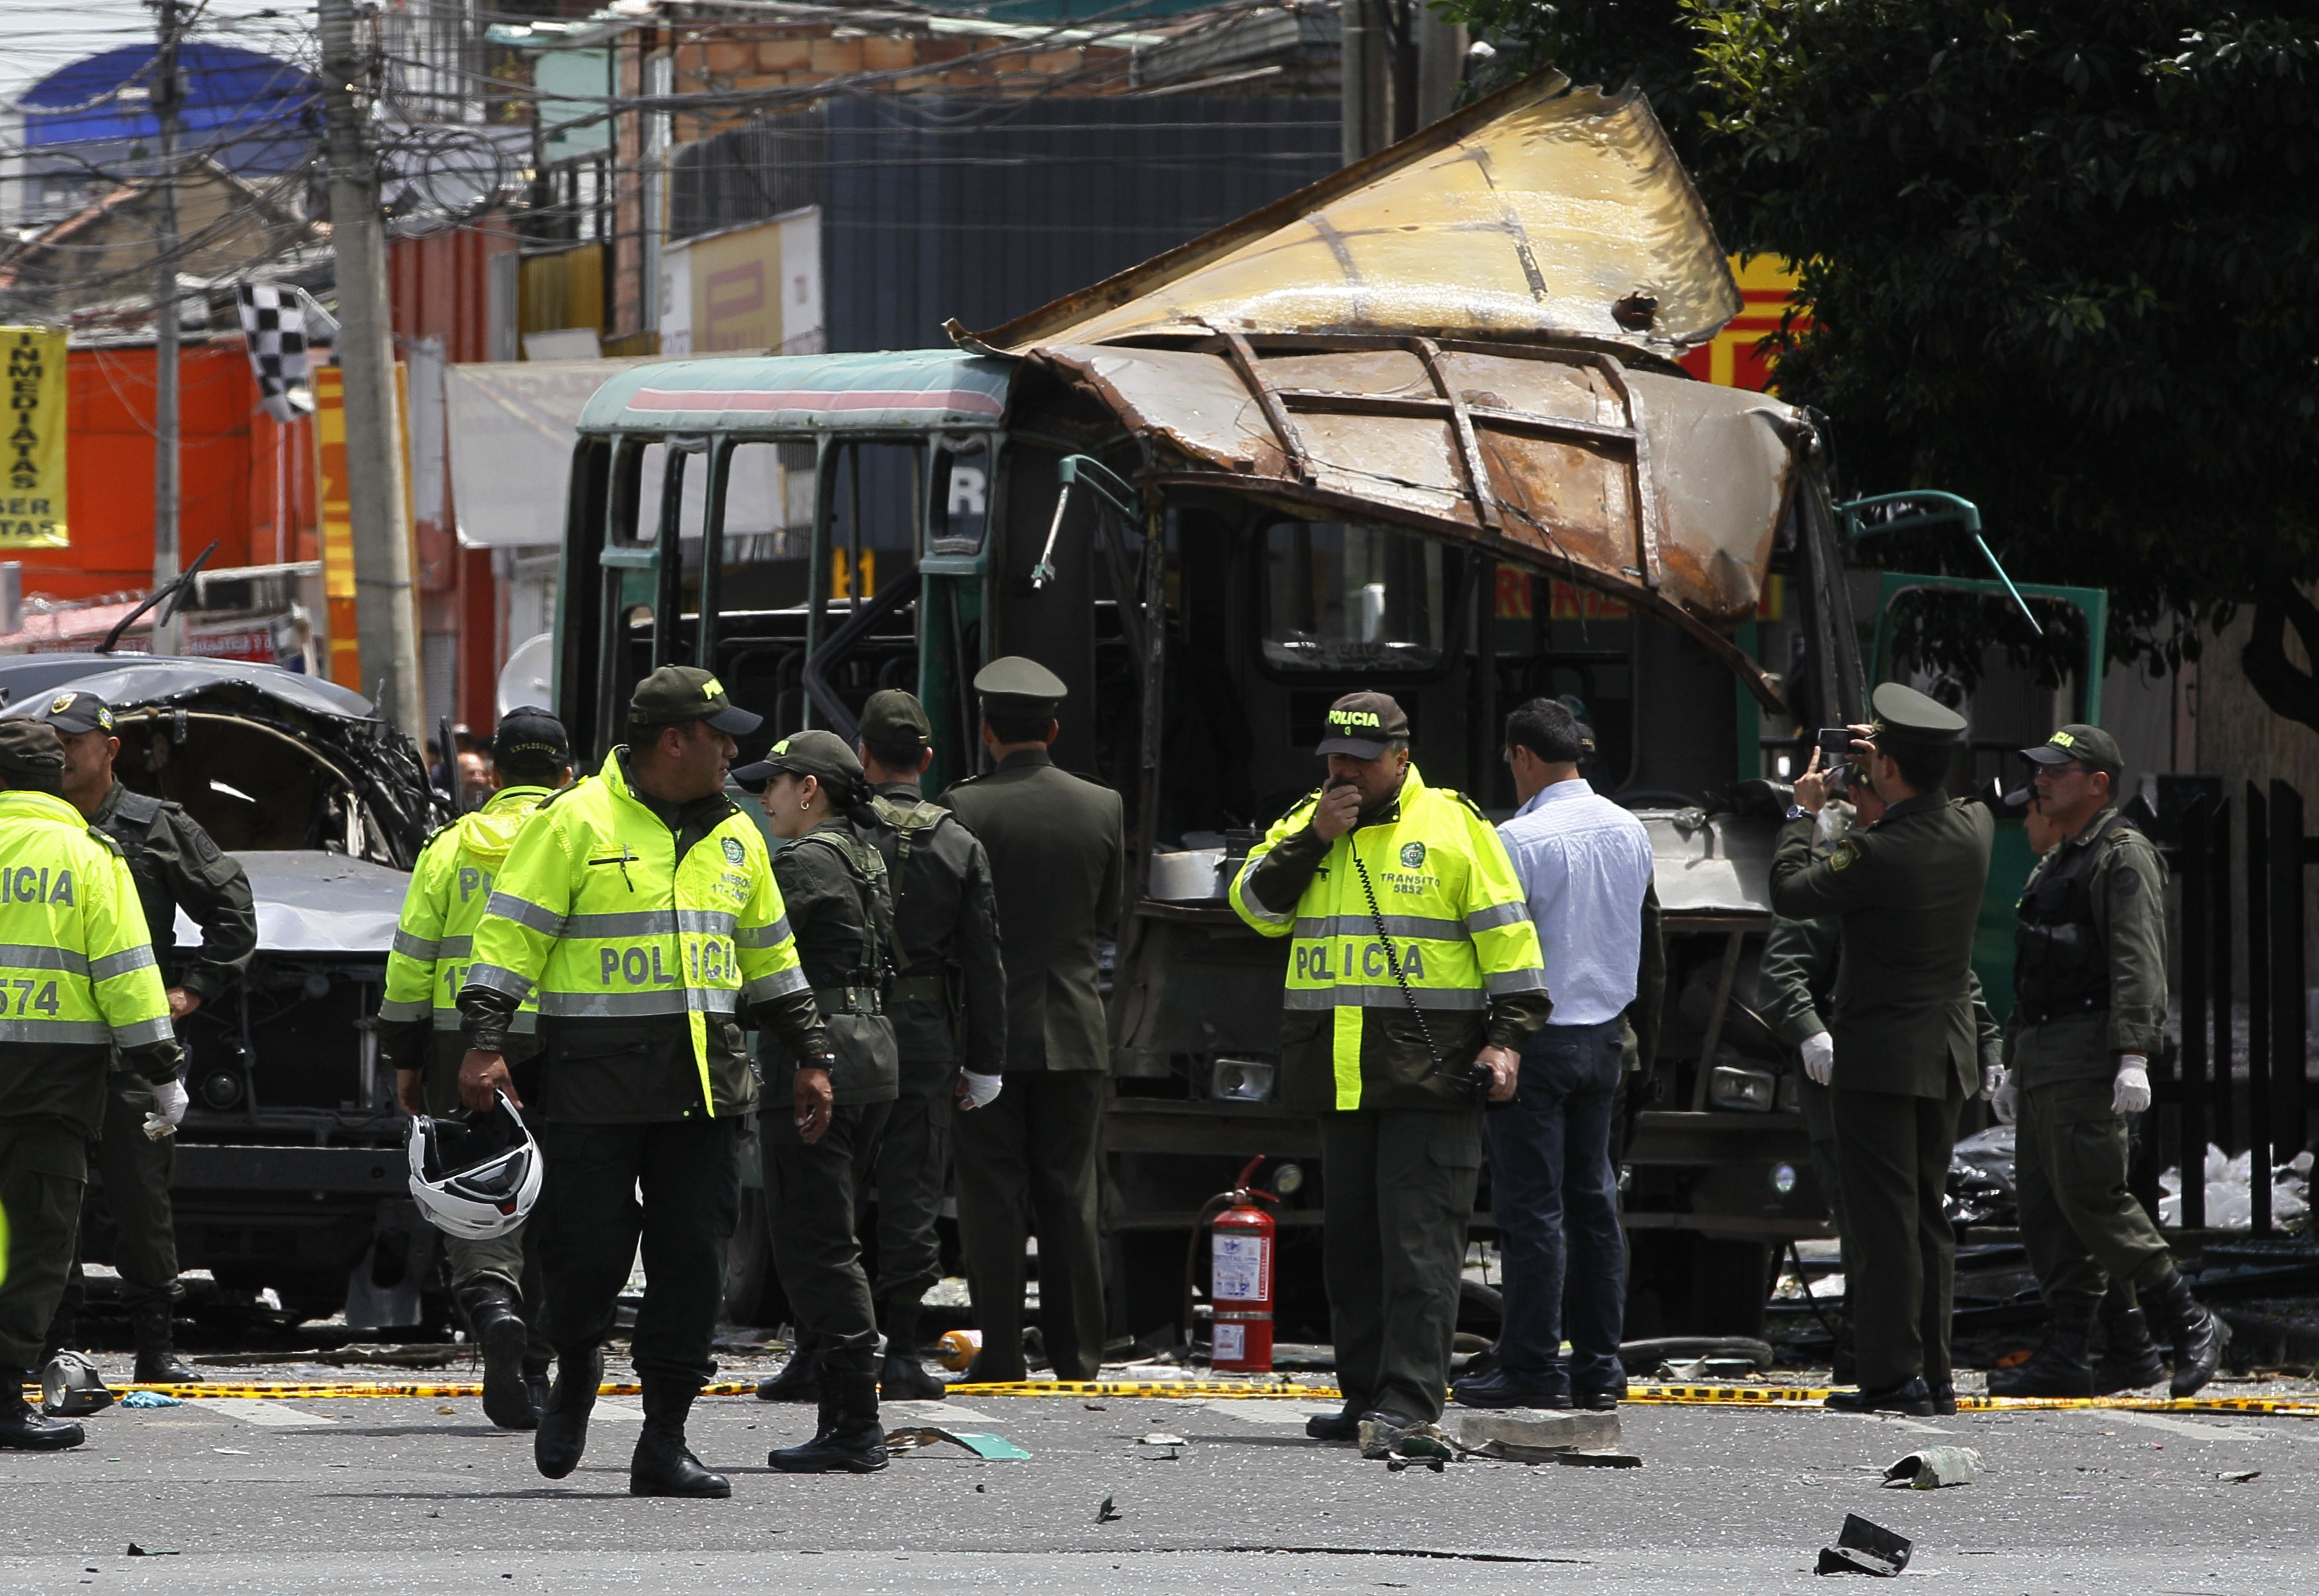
[[1836, 741]]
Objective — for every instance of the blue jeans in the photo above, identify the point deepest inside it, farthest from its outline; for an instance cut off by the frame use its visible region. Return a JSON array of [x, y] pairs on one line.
[[1556, 1199]]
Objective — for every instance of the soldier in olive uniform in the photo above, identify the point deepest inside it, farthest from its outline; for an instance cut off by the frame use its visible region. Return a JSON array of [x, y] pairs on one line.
[[2089, 1008], [1030, 1159], [1797, 983], [949, 1010], [176, 866], [833, 886], [1904, 1057]]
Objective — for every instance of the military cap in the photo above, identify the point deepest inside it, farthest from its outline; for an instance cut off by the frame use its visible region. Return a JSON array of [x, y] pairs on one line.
[[892, 715], [676, 694], [72, 713], [1904, 714], [2088, 745], [1362, 724], [530, 734], [1017, 688], [820, 755], [30, 746]]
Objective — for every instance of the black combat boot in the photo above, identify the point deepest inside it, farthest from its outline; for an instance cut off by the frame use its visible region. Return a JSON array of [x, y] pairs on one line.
[[2130, 1361], [24, 1427], [901, 1376], [536, 1384], [2059, 1366], [157, 1363], [495, 1322], [2198, 1335], [563, 1433], [849, 1439], [663, 1465], [799, 1381], [1911, 1396]]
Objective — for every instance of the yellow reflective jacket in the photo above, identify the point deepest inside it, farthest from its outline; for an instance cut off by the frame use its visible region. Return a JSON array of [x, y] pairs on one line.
[[594, 916], [450, 887], [77, 975], [1460, 929]]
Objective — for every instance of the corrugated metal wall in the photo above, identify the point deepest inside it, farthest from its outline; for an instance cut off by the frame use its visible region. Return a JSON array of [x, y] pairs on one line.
[[981, 209]]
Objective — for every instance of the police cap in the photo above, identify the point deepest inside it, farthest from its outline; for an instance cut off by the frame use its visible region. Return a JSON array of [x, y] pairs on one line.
[[1016, 689], [2087, 745], [1362, 724], [892, 715], [31, 747], [820, 755], [530, 735], [72, 713], [676, 694], [1904, 714]]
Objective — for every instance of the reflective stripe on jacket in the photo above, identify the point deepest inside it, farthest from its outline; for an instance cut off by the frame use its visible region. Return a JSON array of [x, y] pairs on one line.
[[594, 916], [450, 887], [1451, 905], [76, 967]]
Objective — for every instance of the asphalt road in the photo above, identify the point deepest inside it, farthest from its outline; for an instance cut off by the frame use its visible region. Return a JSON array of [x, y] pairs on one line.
[[403, 1495]]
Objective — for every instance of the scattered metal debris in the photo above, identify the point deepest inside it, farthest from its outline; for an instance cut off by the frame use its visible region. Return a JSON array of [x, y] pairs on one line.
[[1865, 1548], [993, 1448], [1934, 1467]]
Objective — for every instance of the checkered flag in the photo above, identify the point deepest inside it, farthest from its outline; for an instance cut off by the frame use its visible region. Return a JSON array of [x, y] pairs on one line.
[[274, 325]]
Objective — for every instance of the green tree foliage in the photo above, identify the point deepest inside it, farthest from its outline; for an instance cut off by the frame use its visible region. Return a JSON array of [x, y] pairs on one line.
[[2062, 258]]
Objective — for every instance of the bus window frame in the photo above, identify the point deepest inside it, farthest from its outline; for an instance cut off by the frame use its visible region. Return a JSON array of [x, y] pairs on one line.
[[1458, 567]]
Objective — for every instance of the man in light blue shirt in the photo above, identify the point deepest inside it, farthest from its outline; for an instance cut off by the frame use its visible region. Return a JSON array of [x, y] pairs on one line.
[[1584, 864]]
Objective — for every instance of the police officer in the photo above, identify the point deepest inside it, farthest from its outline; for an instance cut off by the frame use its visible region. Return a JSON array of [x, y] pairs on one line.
[[639, 905], [175, 865], [1797, 983], [1903, 1056], [531, 758], [833, 885], [2089, 1010], [1058, 861], [949, 1008], [1414, 969], [79, 985]]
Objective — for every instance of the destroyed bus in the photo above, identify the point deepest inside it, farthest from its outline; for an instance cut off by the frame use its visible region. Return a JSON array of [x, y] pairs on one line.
[[1420, 427]]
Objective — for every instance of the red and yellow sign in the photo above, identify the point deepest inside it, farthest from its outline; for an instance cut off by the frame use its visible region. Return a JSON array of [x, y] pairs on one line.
[[1736, 356]]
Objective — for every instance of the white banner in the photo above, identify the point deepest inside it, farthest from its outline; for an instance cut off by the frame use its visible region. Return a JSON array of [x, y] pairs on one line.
[[512, 427]]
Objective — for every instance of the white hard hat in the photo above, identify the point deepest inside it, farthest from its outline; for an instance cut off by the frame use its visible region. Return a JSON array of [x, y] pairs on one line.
[[476, 1175]]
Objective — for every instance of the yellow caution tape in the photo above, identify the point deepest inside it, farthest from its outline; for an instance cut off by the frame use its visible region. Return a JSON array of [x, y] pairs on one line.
[[1746, 1396]]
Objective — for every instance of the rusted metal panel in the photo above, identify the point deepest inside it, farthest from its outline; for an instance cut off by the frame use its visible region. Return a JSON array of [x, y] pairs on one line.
[[1542, 212], [1661, 492]]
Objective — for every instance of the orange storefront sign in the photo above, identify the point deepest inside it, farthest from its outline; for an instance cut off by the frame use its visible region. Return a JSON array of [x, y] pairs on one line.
[[337, 517]]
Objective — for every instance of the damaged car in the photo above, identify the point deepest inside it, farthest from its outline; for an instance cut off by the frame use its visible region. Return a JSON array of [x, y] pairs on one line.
[[290, 1176]]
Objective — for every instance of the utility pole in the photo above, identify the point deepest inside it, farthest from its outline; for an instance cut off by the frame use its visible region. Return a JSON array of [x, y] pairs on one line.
[[166, 100], [386, 615]]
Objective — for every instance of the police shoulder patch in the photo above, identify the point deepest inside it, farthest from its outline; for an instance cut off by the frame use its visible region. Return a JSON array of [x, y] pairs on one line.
[[2127, 880], [733, 852], [1412, 854], [1845, 852]]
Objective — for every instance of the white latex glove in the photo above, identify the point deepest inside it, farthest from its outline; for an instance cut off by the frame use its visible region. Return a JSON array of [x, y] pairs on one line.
[[2004, 1097], [2132, 1094], [980, 1088], [1820, 1057], [169, 1100]]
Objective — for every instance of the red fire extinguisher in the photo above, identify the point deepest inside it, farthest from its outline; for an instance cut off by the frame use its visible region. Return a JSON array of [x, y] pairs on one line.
[[1239, 1280]]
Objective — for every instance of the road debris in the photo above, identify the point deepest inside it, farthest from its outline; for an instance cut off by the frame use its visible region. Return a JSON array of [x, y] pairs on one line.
[[137, 1551], [2239, 1476], [150, 1399], [1934, 1467], [1865, 1548], [994, 1447], [1538, 1437], [1106, 1515], [1168, 1448]]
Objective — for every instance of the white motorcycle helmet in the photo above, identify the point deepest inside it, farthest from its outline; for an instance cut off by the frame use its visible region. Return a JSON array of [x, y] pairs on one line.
[[476, 1175]]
